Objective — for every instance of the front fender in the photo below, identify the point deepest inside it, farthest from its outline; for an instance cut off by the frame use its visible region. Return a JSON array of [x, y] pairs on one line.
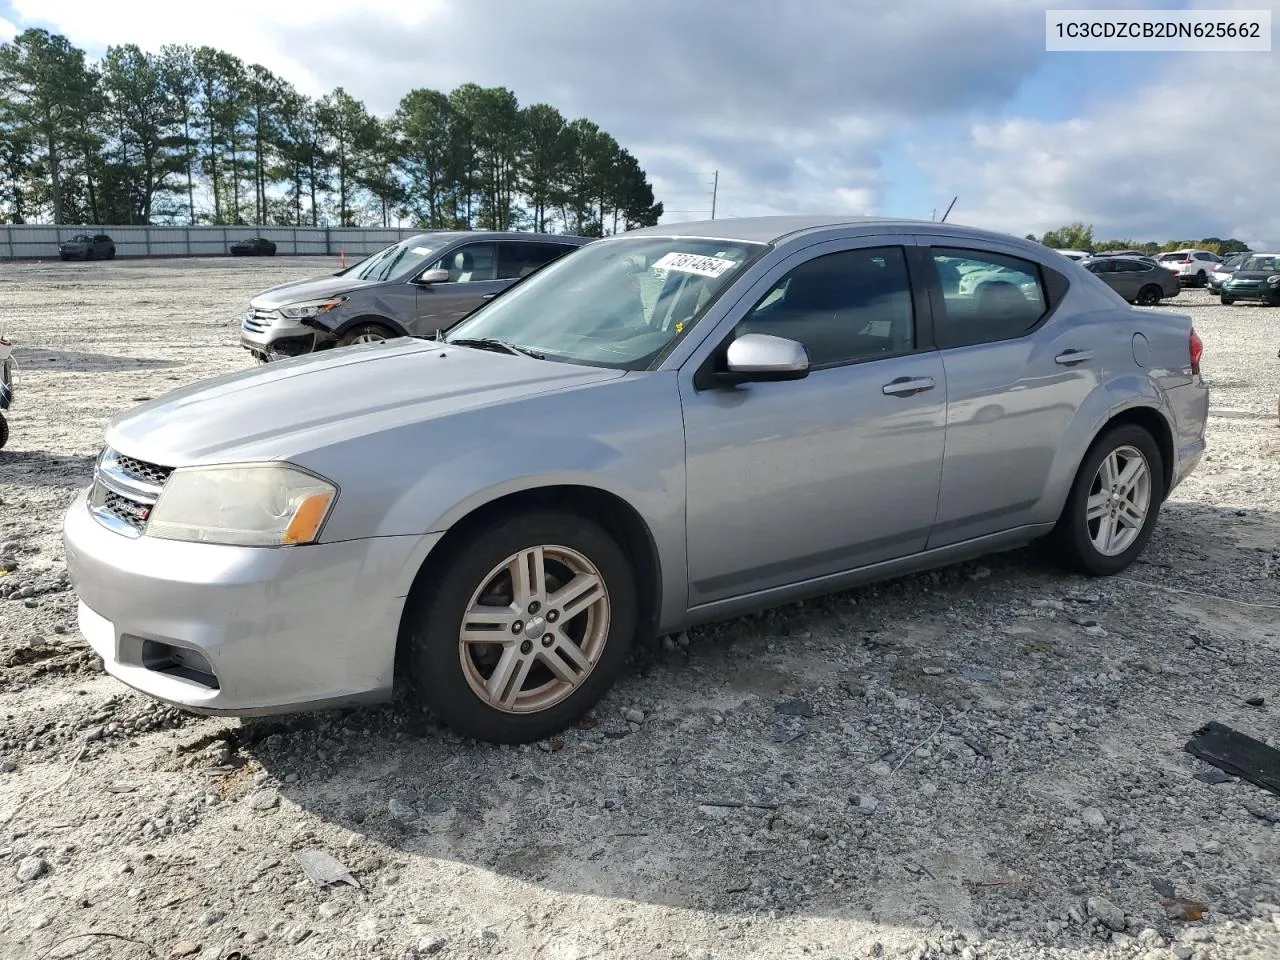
[[340, 327], [622, 436]]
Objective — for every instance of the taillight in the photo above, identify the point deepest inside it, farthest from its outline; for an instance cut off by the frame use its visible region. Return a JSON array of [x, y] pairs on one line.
[[1188, 260], [1197, 351]]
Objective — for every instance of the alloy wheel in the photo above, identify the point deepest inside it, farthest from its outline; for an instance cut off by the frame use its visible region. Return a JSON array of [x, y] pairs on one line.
[[1119, 501], [534, 629]]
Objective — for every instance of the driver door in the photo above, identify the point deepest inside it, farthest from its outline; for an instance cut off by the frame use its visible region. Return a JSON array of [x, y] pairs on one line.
[[473, 278], [797, 480]]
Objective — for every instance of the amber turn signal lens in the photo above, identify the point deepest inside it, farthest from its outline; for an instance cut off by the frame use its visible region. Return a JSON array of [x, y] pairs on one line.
[[305, 525]]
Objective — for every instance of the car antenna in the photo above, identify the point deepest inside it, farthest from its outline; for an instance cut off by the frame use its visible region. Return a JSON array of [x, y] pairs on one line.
[[949, 206]]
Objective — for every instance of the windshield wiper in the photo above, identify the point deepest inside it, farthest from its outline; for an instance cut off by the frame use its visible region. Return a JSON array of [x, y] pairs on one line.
[[492, 343]]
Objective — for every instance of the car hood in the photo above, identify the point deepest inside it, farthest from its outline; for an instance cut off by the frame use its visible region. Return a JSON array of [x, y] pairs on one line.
[[284, 409], [314, 289], [1254, 274]]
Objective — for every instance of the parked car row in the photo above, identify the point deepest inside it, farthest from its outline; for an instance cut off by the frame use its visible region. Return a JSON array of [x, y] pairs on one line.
[[645, 432], [100, 246]]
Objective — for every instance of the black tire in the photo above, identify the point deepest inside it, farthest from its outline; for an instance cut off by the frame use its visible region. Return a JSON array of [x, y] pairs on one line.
[[374, 330], [111, 254], [1202, 279], [1149, 296], [1071, 537], [439, 602], [64, 257], [1226, 301], [4, 430]]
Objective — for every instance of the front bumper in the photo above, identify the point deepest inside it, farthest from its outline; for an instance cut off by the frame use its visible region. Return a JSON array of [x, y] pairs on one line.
[[241, 631], [1249, 290]]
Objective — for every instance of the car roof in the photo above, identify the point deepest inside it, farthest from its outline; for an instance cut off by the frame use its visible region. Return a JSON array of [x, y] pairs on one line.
[[449, 236], [778, 228]]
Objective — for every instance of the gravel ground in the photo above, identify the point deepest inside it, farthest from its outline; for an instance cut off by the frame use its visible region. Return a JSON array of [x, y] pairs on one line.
[[981, 762]]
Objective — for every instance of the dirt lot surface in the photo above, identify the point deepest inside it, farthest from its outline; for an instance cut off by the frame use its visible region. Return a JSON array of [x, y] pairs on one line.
[[982, 762]]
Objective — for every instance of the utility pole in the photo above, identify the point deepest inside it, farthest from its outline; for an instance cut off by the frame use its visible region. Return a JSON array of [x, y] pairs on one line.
[[715, 187]]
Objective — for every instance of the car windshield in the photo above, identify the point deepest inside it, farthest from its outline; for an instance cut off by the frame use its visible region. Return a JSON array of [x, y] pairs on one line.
[[618, 303], [1271, 264], [396, 262], [82, 238]]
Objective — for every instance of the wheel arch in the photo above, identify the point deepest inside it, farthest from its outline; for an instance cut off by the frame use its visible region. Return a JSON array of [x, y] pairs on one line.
[[380, 319], [612, 512]]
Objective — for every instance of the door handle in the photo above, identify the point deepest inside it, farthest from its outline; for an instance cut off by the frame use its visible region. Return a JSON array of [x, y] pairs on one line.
[[907, 386], [488, 296], [1068, 357]]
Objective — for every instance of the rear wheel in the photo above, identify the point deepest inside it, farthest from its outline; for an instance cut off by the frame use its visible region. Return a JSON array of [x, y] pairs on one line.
[[4, 430], [1112, 508], [1202, 278], [1149, 295], [364, 333], [524, 628], [111, 254]]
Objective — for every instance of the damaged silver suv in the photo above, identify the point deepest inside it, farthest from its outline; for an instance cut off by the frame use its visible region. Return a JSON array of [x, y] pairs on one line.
[[416, 287]]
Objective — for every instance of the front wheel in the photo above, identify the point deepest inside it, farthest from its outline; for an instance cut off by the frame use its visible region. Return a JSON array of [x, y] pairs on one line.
[[1112, 508], [524, 628], [364, 333], [4, 430], [1149, 296], [1225, 300]]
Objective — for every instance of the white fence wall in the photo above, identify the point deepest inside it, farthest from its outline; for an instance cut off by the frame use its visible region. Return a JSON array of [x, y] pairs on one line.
[[29, 241]]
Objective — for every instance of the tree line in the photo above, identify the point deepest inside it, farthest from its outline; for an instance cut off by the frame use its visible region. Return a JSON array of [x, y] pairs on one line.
[[194, 135], [1079, 236]]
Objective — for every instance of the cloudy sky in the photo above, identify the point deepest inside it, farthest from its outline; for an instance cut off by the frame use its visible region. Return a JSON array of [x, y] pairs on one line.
[[830, 106]]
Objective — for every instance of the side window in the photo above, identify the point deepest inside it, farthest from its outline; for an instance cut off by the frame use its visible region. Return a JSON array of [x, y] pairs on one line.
[[474, 262], [1101, 266], [1129, 266], [520, 258], [998, 297], [847, 306]]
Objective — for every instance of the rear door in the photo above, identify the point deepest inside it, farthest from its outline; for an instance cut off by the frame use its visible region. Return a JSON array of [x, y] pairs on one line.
[[473, 275], [519, 258], [1015, 375]]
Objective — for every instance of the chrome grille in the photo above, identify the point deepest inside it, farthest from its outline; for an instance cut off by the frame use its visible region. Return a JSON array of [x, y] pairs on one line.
[[141, 470], [125, 510], [257, 320], [125, 490]]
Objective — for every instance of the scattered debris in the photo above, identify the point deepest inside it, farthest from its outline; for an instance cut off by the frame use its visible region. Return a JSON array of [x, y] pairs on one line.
[[795, 708], [1238, 754], [1255, 701], [1183, 910], [323, 869]]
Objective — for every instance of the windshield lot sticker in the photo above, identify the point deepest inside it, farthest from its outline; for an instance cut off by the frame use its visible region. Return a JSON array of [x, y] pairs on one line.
[[694, 263], [421, 251]]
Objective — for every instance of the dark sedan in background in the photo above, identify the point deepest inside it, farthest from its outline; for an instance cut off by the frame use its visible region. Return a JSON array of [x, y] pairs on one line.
[[253, 247], [85, 246], [1137, 279], [1223, 271]]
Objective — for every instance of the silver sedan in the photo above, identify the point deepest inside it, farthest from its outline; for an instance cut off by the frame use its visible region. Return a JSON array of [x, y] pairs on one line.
[[672, 426]]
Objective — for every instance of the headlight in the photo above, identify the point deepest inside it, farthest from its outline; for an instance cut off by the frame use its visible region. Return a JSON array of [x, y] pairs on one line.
[[252, 505], [1273, 279], [311, 308]]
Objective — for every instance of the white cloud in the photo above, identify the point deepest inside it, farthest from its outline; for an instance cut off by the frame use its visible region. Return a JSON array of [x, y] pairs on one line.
[[7, 30]]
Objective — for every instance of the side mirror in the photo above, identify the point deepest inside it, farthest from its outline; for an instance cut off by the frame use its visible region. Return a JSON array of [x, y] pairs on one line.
[[758, 357], [433, 276]]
